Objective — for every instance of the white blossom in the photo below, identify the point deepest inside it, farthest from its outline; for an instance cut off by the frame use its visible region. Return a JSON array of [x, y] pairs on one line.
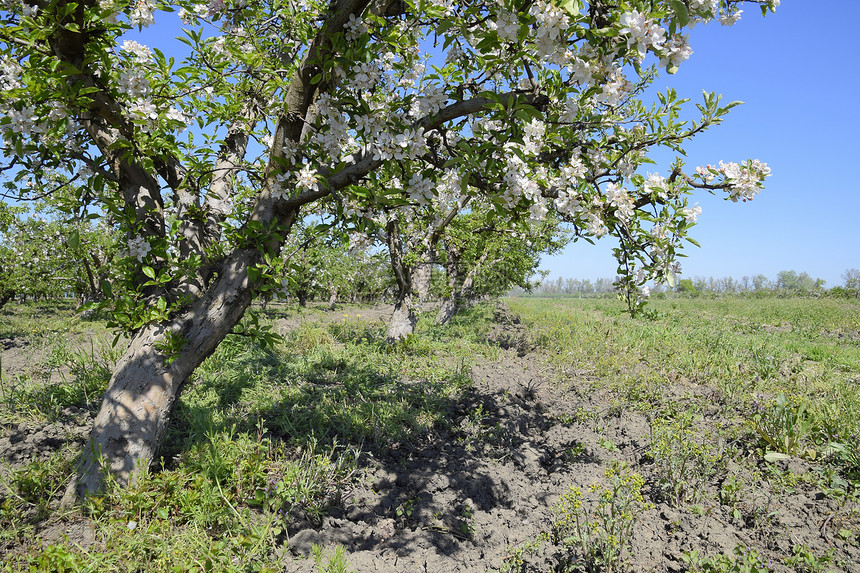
[[142, 14], [142, 54], [138, 248], [691, 214]]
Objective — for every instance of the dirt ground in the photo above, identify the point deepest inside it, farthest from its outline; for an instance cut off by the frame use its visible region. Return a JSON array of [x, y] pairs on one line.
[[482, 499]]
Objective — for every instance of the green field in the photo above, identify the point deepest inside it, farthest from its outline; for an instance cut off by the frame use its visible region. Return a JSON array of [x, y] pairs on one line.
[[267, 438], [749, 350]]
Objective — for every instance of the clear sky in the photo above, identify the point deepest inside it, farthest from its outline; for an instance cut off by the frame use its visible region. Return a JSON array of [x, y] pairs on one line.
[[797, 72]]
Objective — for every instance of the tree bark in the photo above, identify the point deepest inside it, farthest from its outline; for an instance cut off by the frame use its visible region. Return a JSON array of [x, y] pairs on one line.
[[402, 323], [403, 320], [447, 310], [461, 287], [421, 275], [143, 389]]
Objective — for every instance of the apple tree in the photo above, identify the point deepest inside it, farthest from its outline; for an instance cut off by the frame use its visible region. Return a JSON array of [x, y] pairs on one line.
[[204, 163]]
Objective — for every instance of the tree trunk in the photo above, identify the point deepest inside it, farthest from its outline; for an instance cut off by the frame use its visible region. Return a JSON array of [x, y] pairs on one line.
[[332, 300], [421, 275], [451, 305], [303, 298], [447, 310], [143, 389], [403, 320], [6, 296], [402, 323]]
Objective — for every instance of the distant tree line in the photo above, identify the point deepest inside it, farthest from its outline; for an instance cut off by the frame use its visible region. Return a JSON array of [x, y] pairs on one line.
[[786, 283]]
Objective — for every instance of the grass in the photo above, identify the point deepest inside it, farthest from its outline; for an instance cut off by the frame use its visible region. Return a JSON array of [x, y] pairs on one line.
[[266, 437], [788, 366], [261, 437]]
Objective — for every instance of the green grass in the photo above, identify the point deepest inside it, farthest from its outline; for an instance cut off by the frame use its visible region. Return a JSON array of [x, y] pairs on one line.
[[749, 350], [260, 438], [264, 437]]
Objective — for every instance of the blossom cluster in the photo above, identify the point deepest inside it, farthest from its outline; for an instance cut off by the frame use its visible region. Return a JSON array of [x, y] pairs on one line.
[[744, 180], [138, 248]]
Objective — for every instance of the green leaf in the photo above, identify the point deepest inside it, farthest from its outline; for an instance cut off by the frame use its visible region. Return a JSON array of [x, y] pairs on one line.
[[775, 456], [149, 271], [571, 6], [681, 12], [74, 239]]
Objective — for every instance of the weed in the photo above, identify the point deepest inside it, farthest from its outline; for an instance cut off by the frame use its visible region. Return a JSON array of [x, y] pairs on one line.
[[607, 444], [601, 536], [405, 509], [336, 562], [803, 560], [307, 486], [32, 489], [309, 336], [783, 425], [515, 560], [683, 462], [729, 495], [744, 560]]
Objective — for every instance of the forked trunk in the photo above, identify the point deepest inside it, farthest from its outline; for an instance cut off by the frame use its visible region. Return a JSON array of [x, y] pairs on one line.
[[143, 389]]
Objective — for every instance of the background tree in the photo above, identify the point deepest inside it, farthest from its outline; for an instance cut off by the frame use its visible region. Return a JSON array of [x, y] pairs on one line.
[[300, 106], [852, 279], [48, 257], [485, 256]]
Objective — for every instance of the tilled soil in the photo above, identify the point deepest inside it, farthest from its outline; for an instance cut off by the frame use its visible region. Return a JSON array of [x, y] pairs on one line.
[[481, 498]]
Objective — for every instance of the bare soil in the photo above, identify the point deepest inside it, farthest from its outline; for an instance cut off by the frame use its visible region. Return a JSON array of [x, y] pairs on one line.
[[482, 498]]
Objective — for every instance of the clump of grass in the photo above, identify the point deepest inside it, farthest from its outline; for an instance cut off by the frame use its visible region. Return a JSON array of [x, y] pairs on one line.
[[309, 336]]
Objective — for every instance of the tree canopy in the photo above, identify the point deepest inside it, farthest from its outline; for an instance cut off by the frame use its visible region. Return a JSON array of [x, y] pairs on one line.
[[352, 111]]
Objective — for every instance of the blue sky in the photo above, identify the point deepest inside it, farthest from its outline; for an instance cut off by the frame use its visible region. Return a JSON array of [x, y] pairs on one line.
[[797, 72]]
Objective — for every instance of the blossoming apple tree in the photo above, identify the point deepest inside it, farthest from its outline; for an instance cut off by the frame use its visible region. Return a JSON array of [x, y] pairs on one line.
[[488, 256], [284, 107], [44, 257]]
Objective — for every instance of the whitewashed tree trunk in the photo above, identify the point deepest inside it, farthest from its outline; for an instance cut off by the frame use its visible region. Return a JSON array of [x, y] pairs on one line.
[[142, 392], [421, 275], [402, 323]]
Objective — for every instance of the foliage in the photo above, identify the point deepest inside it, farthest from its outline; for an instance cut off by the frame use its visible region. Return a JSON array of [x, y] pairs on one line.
[[805, 561], [783, 425], [327, 267], [521, 115], [336, 563], [496, 256], [45, 256], [745, 560]]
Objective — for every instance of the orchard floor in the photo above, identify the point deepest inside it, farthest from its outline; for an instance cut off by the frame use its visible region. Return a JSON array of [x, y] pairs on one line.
[[482, 498]]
